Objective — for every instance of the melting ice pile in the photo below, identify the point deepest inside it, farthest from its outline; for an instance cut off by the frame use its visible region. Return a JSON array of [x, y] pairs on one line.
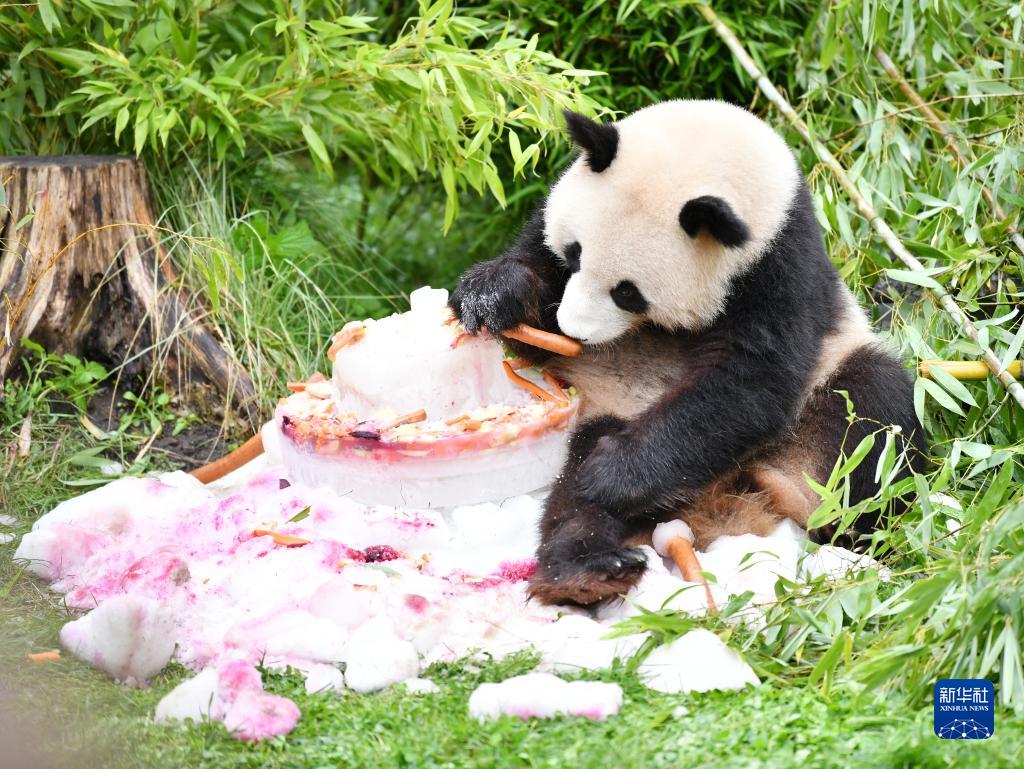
[[166, 568]]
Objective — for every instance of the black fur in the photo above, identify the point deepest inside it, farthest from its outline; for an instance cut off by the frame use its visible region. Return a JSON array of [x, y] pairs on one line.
[[572, 255], [881, 393], [717, 217], [756, 361], [629, 298], [599, 141]]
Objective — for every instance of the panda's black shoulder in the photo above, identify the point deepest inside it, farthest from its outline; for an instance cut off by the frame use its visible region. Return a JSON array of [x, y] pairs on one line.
[[789, 299], [793, 279]]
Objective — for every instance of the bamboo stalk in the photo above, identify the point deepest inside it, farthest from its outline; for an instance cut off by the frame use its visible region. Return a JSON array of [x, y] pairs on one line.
[[865, 208], [952, 140], [964, 370]]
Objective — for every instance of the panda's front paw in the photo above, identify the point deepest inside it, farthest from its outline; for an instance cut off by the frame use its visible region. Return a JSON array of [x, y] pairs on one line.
[[618, 476], [498, 294]]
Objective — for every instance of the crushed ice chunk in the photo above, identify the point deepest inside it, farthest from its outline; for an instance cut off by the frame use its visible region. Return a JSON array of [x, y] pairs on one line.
[[428, 300], [420, 686], [324, 678], [376, 657], [576, 643], [295, 633], [696, 662], [58, 549], [543, 695], [195, 699], [837, 563], [249, 712], [667, 531], [257, 715], [129, 636]]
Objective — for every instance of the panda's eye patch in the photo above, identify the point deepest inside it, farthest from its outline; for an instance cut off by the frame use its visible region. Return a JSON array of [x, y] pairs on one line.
[[628, 297], [572, 256]]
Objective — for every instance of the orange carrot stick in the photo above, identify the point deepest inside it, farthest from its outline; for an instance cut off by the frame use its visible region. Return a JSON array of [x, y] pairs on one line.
[[545, 340], [45, 656], [681, 551], [350, 334], [407, 419], [281, 539], [249, 450], [559, 393], [526, 384]]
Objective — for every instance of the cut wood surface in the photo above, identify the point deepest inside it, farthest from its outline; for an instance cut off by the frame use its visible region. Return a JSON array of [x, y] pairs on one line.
[[82, 272]]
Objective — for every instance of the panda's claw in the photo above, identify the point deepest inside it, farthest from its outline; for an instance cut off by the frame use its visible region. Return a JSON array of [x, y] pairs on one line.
[[588, 580]]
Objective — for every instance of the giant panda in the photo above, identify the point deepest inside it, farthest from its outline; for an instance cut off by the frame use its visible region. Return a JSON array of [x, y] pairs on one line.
[[682, 249]]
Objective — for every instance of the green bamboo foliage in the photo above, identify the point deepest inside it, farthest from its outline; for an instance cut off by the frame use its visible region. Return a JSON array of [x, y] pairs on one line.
[[167, 77]]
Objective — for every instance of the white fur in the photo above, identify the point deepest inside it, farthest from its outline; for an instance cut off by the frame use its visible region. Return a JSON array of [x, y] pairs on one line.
[[626, 218], [851, 332]]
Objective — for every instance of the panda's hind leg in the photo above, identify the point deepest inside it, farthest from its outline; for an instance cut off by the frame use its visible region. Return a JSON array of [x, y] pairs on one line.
[[882, 395], [730, 506]]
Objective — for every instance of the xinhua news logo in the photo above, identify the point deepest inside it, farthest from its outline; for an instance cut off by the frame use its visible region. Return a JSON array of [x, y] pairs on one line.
[[965, 709]]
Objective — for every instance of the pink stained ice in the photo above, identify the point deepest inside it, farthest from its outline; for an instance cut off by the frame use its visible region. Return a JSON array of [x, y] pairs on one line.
[[168, 569], [257, 715]]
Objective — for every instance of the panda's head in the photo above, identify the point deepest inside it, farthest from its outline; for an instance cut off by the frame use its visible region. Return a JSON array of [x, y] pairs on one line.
[[661, 211]]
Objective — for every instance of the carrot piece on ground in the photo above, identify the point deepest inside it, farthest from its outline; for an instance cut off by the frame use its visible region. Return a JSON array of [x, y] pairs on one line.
[[526, 384], [281, 539], [407, 419], [456, 420], [298, 387], [545, 340], [45, 656], [682, 553], [248, 451]]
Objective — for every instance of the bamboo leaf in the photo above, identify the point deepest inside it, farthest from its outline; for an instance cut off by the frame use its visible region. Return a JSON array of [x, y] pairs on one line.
[[940, 396], [317, 148], [953, 386], [916, 277], [48, 15]]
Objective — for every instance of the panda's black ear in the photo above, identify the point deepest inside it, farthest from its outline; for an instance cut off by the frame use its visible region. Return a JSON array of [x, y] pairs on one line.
[[599, 141], [717, 217]]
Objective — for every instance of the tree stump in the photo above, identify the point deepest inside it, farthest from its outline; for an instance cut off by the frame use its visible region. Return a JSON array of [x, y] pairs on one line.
[[82, 271]]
